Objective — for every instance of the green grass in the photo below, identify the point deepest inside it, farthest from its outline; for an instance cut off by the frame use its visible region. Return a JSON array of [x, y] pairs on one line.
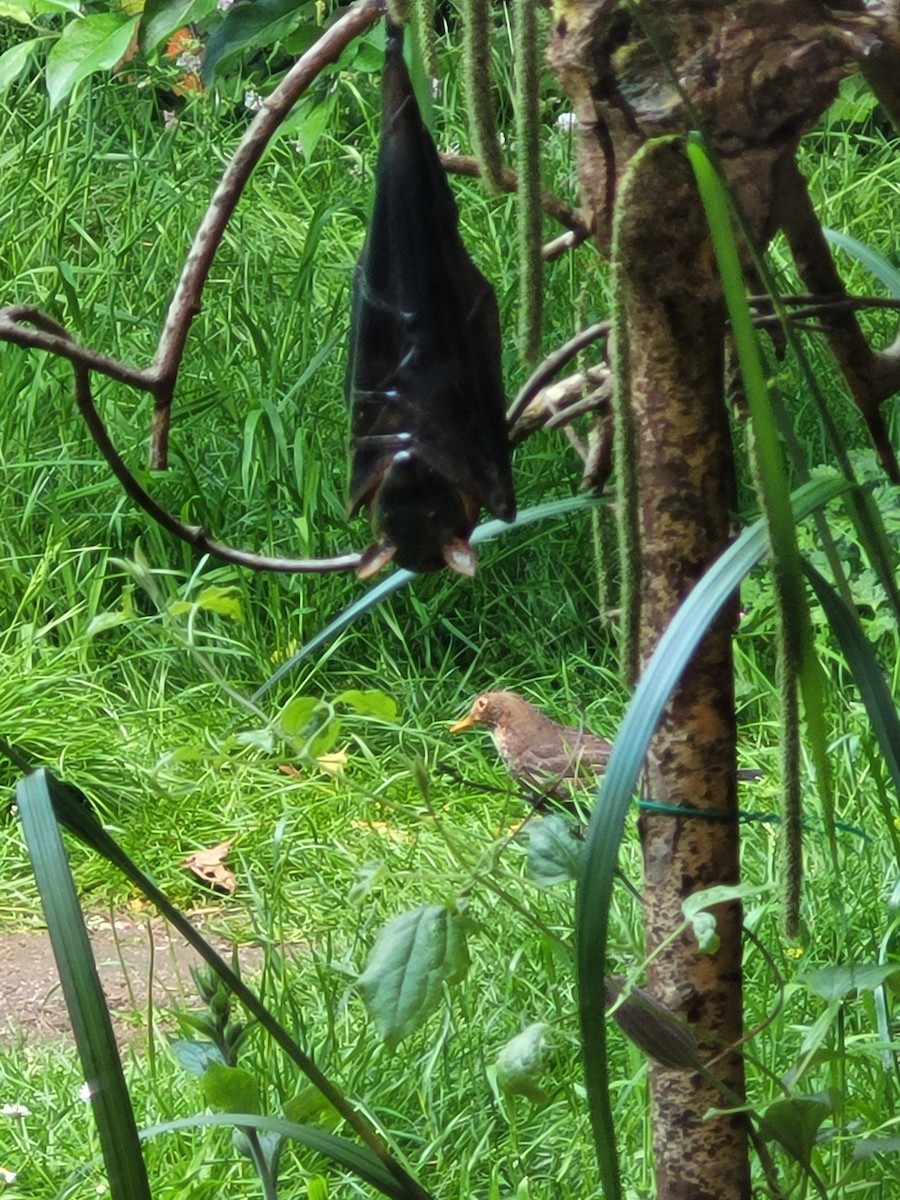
[[104, 685]]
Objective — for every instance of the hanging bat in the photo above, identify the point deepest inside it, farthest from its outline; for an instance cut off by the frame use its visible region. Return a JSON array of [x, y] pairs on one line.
[[429, 446]]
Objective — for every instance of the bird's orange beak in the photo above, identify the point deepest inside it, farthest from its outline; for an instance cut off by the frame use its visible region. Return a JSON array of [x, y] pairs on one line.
[[465, 722]]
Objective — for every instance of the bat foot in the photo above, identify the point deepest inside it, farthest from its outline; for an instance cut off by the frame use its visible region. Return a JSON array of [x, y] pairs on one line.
[[374, 558]]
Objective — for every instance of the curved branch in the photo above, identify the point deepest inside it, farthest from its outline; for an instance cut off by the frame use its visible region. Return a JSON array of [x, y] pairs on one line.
[[871, 376], [193, 534], [186, 301], [552, 365], [52, 336]]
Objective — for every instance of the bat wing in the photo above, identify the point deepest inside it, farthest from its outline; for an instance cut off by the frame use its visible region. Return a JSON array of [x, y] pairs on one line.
[[424, 380]]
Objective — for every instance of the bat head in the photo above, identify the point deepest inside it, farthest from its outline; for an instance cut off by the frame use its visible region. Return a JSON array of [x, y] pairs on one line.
[[421, 520]]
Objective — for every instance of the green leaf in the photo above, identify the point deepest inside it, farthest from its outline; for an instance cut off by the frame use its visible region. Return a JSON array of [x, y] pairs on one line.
[[324, 738], [413, 957], [870, 259], [222, 600], [94, 43], [839, 980], [195, 1057], [520, 1061], [794, 619], [161, 18], [249, 24], [296, 716], [860, 656], [267, 1144], [91, 1024], [105, 620], [370, 704], [310, 1107], [19, 13], [795, 1122], [230, 1089], [368, 876], [553, 851], [14, 61], [722, 894], [317, 1188], [309, 121]]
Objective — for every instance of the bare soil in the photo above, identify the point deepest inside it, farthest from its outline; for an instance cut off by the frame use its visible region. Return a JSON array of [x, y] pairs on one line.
[[137, 956]]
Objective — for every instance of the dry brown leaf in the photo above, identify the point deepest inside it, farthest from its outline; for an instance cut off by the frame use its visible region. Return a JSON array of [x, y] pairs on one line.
[[288, 769], [209, 866]]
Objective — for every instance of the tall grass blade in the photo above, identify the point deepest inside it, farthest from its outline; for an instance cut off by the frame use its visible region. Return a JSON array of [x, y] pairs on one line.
[[604, 833], [866, 670], [94, 1037], [870, 259], [72, 810]]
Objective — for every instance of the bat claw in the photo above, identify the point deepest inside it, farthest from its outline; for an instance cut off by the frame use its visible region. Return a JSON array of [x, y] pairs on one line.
[[459, 556]]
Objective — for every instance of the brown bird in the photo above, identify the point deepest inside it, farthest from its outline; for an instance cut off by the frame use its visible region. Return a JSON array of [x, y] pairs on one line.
[[550, 759]]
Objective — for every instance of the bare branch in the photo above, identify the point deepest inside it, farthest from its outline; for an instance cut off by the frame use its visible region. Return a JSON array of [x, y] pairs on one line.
[[462, 164], [558, 404], [566, 241], [49, 335], [192, 534], [871, 376], [552, 365]]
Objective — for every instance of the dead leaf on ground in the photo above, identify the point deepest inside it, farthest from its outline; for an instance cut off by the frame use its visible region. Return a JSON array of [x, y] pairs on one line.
[[333, 763], [209, 866], [390, 832]]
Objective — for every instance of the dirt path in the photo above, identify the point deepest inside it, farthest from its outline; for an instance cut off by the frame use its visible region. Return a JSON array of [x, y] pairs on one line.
[[132, 954]]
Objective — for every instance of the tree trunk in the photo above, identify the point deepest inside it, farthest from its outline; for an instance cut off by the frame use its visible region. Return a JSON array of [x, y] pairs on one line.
[[753, 75]]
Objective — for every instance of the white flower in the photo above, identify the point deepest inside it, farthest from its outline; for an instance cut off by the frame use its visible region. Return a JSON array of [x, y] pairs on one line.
[[190, 63], [253, 101], [86, 1091], [170, 121], [15, 1110], [566, 121], [7, 1177]]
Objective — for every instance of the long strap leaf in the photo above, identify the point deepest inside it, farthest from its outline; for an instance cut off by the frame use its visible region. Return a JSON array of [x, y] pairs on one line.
[[361, 1161], [604, 833], [71, 808], [91, 1024]]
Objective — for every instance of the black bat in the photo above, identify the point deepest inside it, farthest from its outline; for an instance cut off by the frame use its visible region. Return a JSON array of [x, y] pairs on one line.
[[424, 383]]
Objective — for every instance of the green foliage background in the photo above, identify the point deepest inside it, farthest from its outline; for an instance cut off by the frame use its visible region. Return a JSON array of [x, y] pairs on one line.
[[113, 687]]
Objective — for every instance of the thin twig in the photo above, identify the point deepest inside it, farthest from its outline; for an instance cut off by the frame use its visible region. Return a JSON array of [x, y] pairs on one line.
[[552, 365], [571, 218]]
